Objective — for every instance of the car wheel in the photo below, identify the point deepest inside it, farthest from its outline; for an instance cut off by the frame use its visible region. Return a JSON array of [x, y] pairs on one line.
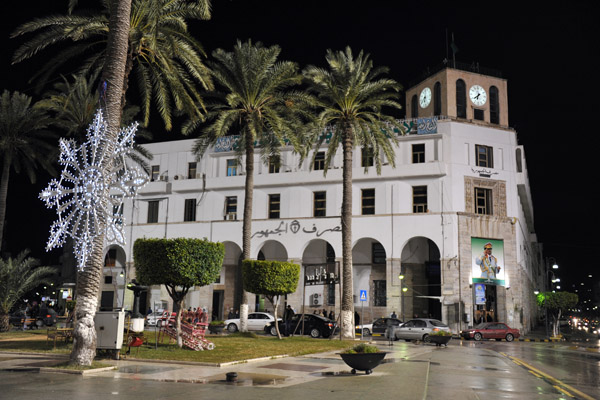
[[477, 336], [232, 328], [509, 337], [273, 331], [315, 333], [366, 332], [407, 340], [426, 338]]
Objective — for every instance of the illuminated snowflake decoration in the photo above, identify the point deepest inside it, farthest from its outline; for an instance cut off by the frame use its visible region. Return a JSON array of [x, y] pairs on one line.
[[79, 196]]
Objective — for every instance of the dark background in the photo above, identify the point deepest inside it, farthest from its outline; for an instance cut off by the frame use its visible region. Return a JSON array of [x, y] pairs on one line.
[[549, 57]]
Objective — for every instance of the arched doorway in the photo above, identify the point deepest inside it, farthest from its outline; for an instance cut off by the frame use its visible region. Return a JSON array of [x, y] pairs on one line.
[[421, 291], [230, 280], [320, 276], [113, 293], [369, 274]]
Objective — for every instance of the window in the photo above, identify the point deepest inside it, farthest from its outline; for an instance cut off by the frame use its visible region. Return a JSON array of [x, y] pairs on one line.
[[319, 204], [118, 213], [367, 157], [461, 99], [192, 170], [274, 164], [319, 163], [494, 105], [414, 107], [231, 207], [483, 201], [368, 201], [377, 253], [484, 156], [478, 114], [331, 294], [418, 153], [274, 206], [108, 279], [379, 293], [437, 99], [155, 173], [419, 199], [153, 212], [189, 213], [232, 167]]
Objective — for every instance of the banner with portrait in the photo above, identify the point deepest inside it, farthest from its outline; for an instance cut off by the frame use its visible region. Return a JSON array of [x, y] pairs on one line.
[[487, 258]]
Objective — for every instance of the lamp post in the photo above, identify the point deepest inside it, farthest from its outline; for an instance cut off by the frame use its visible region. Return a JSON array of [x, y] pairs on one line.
[[551, 265], [402, 290]]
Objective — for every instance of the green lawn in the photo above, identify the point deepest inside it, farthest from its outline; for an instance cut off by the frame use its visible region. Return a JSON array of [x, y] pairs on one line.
[[227, 347]]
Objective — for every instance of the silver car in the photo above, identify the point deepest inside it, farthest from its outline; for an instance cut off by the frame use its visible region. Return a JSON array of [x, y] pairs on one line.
[[418, 329]]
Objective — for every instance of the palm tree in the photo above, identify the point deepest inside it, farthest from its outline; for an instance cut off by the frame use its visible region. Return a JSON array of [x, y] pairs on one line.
[[73, 104], [351, 95], [25, 142], [17, 277], [163, 56], [256, 103], [89, 279]]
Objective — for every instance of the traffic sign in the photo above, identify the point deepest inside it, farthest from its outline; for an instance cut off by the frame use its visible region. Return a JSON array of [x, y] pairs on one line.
[[363, 295]]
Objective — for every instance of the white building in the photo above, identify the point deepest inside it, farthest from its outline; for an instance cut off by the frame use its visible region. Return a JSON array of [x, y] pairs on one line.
[[460, 182]]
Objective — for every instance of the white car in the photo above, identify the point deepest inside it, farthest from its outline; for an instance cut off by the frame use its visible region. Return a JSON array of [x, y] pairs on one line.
[[152, 319], [256, 322]]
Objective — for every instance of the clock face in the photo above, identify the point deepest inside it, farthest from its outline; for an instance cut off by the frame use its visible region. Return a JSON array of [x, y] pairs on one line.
[[425, 97], [478, 95]]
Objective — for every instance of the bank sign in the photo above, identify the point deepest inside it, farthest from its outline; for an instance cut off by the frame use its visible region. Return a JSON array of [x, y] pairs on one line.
[[487, 257]]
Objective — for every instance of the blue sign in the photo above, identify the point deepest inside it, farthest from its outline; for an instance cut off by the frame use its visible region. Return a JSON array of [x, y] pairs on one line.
[[363, 295]]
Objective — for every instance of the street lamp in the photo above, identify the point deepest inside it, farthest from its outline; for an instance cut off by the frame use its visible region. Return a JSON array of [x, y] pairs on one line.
[[402, 290]]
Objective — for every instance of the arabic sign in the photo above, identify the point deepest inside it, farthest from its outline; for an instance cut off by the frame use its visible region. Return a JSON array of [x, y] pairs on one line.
[[426, 125], [321, 274], [293, 227], [483, 172], [487, 260]]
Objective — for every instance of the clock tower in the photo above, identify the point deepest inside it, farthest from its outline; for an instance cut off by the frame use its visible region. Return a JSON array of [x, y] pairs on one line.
[[460, 94]]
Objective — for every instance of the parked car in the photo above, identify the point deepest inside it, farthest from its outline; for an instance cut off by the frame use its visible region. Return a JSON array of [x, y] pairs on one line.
[[377, 327], [153, 318], [419, 329], [314, 325], [491, 330], [257, 321]]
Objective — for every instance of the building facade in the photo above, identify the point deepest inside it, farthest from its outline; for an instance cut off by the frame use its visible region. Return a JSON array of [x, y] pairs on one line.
[[422, 231]]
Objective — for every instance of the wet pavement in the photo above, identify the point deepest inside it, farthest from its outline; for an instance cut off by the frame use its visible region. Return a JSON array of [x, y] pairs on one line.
[[462, 370]]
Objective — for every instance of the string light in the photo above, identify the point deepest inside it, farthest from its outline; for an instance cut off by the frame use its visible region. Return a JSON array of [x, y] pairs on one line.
[[83, 206]]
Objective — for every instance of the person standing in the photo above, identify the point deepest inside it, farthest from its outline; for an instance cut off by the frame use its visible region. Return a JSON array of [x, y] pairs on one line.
[[394, 315], [287, 319]]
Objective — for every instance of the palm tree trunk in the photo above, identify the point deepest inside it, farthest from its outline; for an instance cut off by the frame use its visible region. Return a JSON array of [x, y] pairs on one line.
[[84, 343], [4, 194], [247, 224], [347, 285]]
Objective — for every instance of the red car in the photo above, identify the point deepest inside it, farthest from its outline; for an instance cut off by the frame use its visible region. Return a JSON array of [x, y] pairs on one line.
[[491, 330]]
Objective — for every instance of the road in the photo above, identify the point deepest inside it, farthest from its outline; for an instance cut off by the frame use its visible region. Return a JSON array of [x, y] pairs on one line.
[[463, 370]]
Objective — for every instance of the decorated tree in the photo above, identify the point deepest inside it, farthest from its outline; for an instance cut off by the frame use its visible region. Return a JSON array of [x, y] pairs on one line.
[[557, 304], [179, 264], [271, 279]]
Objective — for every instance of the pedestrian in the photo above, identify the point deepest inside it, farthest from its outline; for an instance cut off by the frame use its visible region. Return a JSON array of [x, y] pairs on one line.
[[331, 315], [287, 319], [325, 313], [231, 314], [394, 315], [237, 313]]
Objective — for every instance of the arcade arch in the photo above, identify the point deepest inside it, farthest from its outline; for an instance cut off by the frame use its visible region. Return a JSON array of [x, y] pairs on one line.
[[420, 265]]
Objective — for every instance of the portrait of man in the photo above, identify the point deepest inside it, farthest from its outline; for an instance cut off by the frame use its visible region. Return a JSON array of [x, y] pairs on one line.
[[488, 263]]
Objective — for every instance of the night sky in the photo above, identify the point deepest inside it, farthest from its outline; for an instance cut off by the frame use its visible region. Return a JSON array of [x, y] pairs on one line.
[[548, 56]]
